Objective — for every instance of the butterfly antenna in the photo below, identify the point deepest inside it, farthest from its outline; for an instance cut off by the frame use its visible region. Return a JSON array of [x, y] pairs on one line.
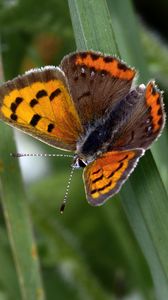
[[62, 207], [16, 155]]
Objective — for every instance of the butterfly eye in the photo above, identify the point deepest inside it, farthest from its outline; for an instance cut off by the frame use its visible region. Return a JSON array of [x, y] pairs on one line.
[[79, 163]]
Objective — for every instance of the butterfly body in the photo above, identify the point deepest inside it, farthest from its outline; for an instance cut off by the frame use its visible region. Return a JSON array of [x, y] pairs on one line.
[[88, 105], [101, 135]]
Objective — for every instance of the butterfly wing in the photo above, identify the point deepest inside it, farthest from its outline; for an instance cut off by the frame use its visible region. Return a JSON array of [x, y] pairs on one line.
[[146, 120], [39, 103], [96, 82], [105, 176]]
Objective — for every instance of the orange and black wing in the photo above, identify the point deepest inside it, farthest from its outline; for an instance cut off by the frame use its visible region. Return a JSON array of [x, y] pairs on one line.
[[146, 121], [39, 103], [96, 82], [105, 176]]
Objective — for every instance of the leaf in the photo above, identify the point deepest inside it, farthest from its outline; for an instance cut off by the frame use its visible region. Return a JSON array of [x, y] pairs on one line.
[[17, 219]]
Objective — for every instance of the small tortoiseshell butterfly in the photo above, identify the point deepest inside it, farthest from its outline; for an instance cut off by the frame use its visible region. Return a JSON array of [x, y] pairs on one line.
[[88, 105]]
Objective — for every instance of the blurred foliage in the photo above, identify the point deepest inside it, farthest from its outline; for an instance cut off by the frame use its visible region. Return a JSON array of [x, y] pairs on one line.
[[41, 30], [154, 14], [88, 253]]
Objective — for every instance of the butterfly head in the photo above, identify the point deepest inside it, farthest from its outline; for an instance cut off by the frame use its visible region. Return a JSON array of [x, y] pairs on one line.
[[79, 162]]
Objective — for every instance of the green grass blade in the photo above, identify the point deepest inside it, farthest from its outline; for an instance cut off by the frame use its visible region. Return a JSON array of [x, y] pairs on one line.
[[127, 35], [8, 278], [84, 16], [16, 214], [13, 200], [144, 197]]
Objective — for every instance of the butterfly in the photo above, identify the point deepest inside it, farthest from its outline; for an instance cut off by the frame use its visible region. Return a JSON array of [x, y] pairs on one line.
[[88, 105]]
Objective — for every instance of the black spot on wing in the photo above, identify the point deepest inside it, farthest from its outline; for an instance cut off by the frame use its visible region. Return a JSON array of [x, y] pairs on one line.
[[83, 54], [122, 66], [96, 172], [94, 56], [55, 94], [113, 172], [15, 104], [13, 117], [159, 111], [41, 93], [33, 102], [160, 122], [125, 157], [102, 188], [35, 119], [158, 100], [50, 127], [108, 59], [18, 100], [97, 179]]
